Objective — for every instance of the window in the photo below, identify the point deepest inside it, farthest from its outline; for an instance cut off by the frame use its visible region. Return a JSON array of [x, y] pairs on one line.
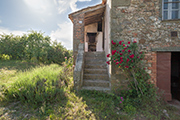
[[171, 9]]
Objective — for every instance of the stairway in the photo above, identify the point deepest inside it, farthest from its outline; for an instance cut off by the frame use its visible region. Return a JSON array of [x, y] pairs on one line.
[[95, 72]]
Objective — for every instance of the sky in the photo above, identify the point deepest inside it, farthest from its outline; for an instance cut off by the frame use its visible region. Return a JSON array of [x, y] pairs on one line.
[[48, 16]]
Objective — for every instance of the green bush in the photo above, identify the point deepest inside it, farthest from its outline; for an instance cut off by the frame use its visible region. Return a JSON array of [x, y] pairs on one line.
[[5, 57], [38, 86]]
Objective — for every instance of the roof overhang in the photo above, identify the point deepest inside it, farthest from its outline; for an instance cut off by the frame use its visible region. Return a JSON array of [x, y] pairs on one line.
[[91, 14]]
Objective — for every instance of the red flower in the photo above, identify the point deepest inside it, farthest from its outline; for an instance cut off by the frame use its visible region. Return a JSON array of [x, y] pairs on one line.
[[127, 66], [133, 66], [127, 46], [121, 58], [140, 53], [135, 42], [131, 56], [113, 42], [108, 55], [129, 51], [123, 50], [113, 52], [120, 42], [138, 57], [129, 42], [121, 61], [120, 53], [108, 62], [123, 44], [127, 60], [117, 63], [132, 61]]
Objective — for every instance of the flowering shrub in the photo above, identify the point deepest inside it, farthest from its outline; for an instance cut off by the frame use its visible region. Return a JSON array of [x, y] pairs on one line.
[[125, 56], [128, 58]]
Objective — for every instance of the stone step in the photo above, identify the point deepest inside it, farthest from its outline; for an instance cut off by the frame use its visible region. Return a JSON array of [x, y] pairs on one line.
[[95, 61], [96, 83], [96, 77], [92, 54], [95, 58], [95, 66], [95, 71], [97, 88]]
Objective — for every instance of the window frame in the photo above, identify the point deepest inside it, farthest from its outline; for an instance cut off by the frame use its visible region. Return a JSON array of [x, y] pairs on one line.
[[169, 10]]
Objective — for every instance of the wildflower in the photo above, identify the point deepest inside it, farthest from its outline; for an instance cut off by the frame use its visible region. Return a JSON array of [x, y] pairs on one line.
[[117, 63], [113, 52], [120, 101], [129, 51], [126, 66], [65, 57], [123, 44], [138, 57], [127, 46], [73, 65], [120, 53], [140, 53], [123, 50], [122, 98], [129, 42], [120, 42], [108, 55], [132, 61], [121, 58]]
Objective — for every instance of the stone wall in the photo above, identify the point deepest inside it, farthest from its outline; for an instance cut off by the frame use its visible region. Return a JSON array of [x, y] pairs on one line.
[[142, 20]]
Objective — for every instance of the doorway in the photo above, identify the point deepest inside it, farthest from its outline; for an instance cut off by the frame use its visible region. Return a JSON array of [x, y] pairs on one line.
[[175, 75], [91, 42]]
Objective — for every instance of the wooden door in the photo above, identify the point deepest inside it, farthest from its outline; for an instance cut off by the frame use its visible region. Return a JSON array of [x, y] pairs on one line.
[[164, 74]]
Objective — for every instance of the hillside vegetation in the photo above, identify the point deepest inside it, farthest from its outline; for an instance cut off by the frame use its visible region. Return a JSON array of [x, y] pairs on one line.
[[33, 47]]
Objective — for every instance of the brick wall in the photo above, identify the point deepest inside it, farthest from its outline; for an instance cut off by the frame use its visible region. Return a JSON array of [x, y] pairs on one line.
[[78, 32]]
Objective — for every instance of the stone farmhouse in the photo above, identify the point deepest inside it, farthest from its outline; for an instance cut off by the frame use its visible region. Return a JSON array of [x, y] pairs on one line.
[[155, 24]]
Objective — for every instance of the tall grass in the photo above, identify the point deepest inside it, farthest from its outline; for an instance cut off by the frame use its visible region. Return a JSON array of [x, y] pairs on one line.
[[38, 86]]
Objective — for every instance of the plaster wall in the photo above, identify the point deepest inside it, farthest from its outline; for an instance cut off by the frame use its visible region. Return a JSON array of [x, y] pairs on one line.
[[99, 39], [107, 30]]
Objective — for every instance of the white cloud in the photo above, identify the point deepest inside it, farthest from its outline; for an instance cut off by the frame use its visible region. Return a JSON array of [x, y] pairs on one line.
[[64, 5], [84, 0], [64, 34], [14, 32]]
